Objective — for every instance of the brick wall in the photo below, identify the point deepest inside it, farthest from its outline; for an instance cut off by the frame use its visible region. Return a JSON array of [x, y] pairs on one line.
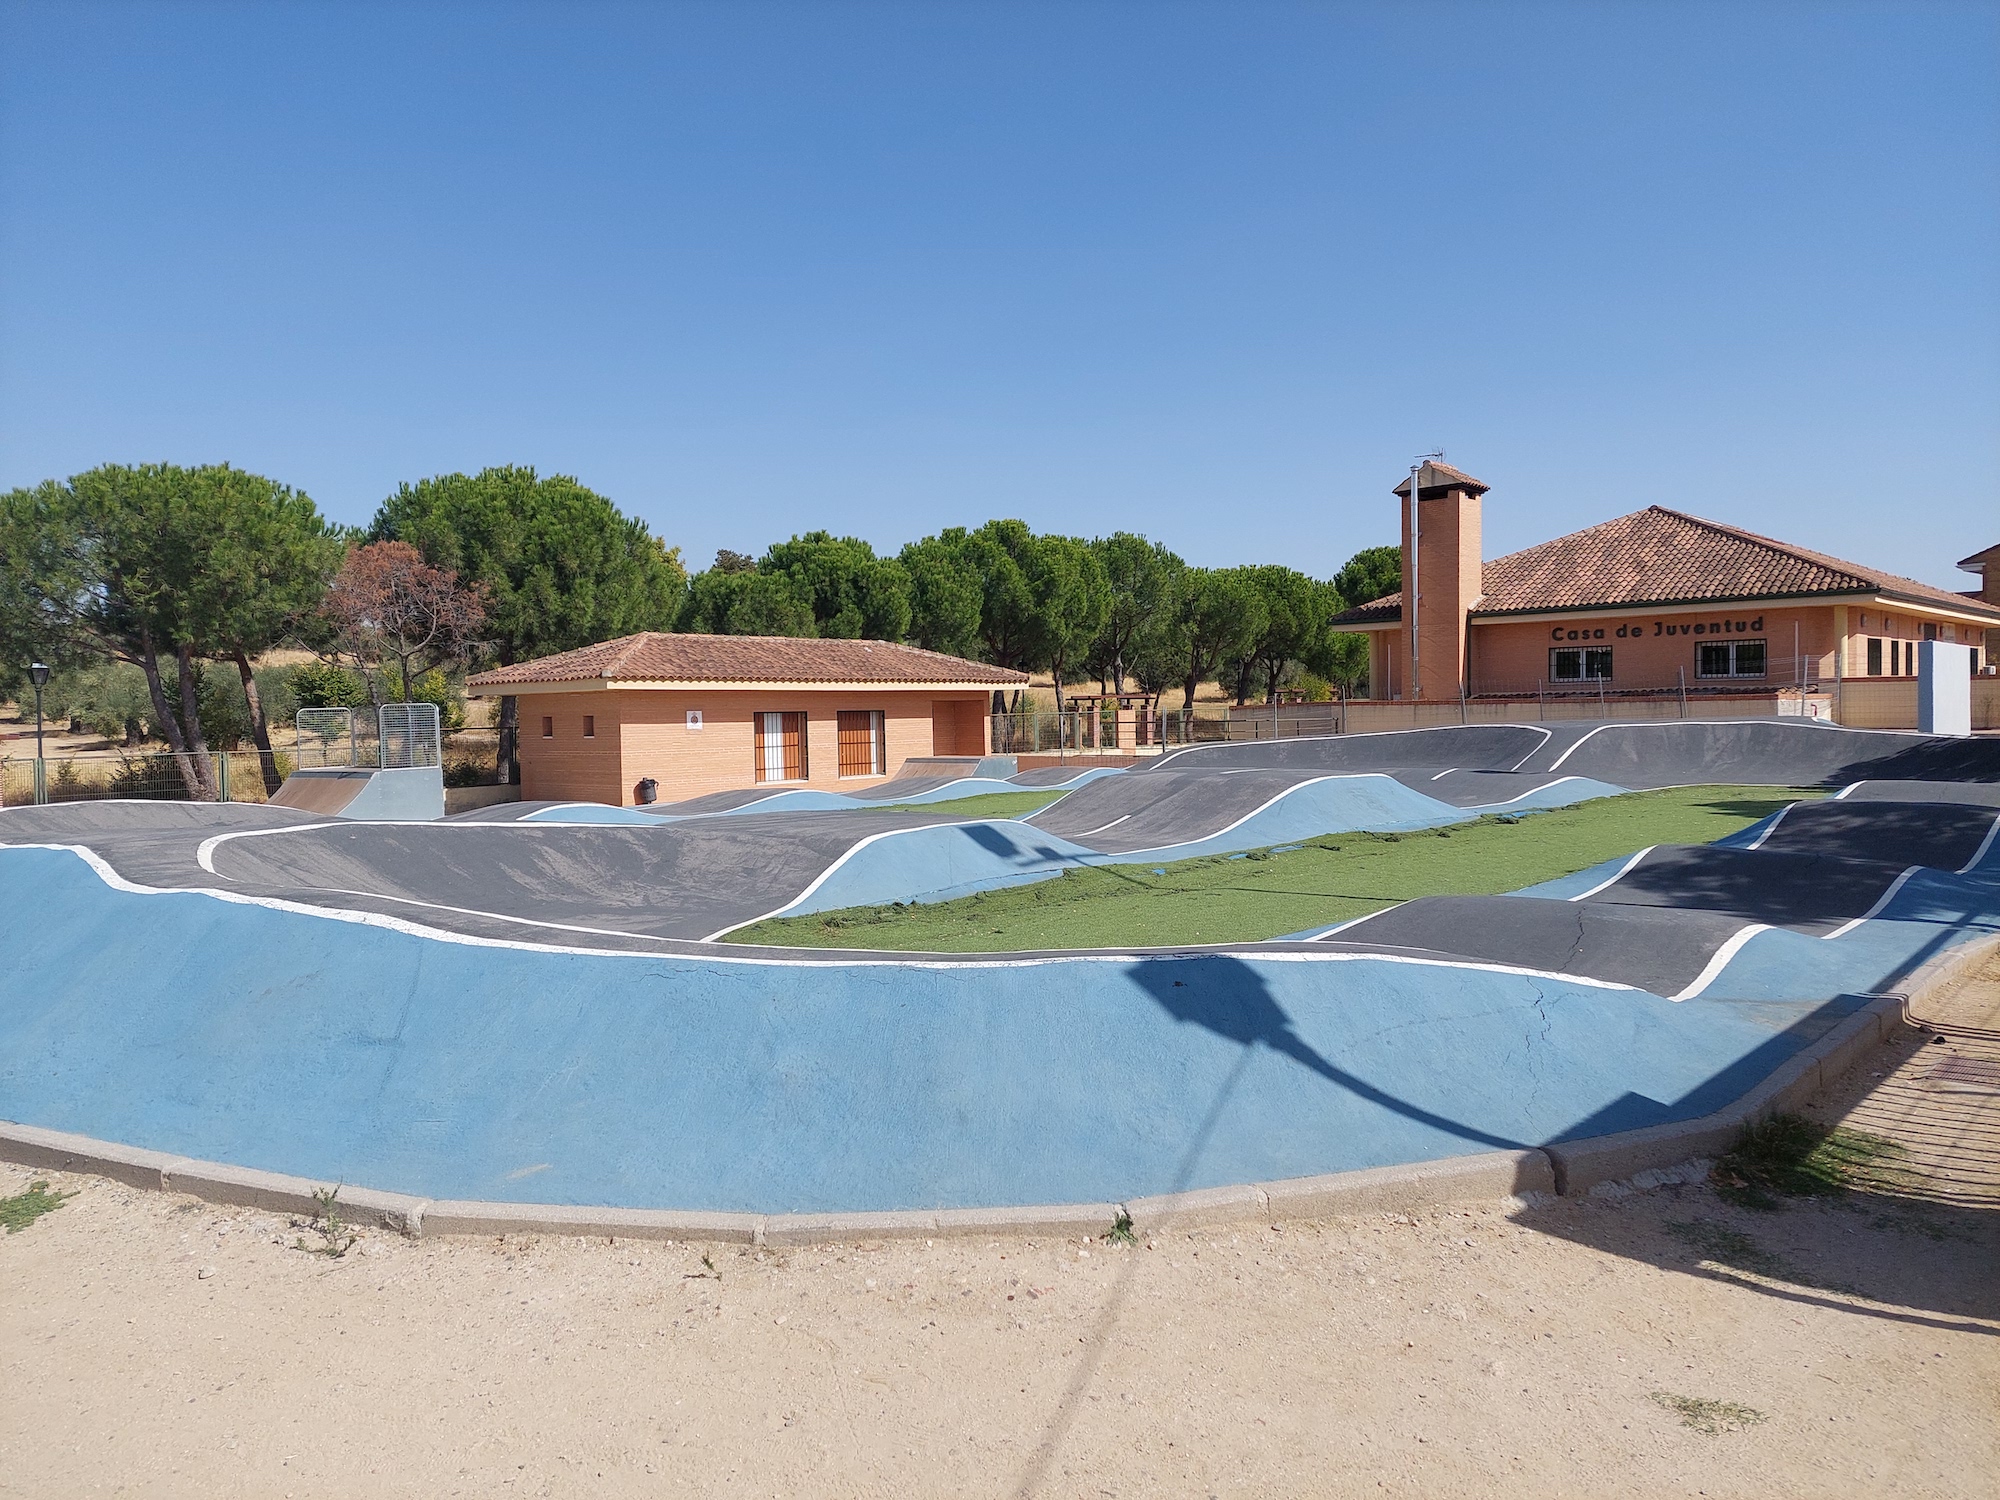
[[564, 765], [653, 738]]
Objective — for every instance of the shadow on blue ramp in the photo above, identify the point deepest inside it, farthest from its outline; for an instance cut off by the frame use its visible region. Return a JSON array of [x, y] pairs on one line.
[[341, 1051]]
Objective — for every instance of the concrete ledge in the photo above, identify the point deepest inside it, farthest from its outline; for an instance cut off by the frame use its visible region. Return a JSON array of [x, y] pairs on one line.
[[1582, 1165], [460, 1217], [1202, 1206], [1849, 1042], [245, 1187], [59, 1151], [1453, 1179], [1048, 1218], [817, 1229], [458, 799]]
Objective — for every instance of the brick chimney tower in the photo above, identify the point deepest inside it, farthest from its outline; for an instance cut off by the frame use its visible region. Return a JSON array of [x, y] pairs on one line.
[[1443, 578]]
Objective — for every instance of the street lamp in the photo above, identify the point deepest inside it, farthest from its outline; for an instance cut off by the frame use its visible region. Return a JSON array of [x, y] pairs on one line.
[[38, 674]]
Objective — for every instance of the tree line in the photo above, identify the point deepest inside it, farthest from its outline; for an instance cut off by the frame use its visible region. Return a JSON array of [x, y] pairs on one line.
[[173, 571], [1121, 610]]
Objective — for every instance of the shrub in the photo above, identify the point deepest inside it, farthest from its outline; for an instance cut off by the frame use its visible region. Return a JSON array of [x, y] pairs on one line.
[[321, 684]]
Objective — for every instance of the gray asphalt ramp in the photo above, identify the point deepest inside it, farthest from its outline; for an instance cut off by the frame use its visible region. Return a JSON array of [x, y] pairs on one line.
[[1889, 789], [1652, 949], [148, 842], [674, 880], [1117, 814], [1463, 788], [1487, 747], [1943, 836], [1764, 752], [1806, 892], [1048, 776]]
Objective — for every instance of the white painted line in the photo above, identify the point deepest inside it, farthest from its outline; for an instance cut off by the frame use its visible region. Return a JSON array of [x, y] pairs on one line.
[[1353, 922], [99, 867], [1591, 734], [1758, 842], [1622, 871], [1444, 773], [204, 854], [1547, 735], [1719, 960], [1099, 829], [1813, 726], [1845, 792], [1876, 910], [1489, 806], [539, 813], [852, 850], [1296, 786], [1365, 734], [1985, 848]]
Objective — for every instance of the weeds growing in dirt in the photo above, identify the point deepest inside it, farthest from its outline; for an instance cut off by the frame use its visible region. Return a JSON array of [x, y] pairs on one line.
[[706, 1273], [335, 1238], [1788, 1156], [1711, 1417], [1121, 1230], [21, 1210]]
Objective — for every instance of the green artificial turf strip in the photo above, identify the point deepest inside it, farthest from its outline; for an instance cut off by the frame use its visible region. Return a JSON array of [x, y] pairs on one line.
[[986, 805], [1331, 879]]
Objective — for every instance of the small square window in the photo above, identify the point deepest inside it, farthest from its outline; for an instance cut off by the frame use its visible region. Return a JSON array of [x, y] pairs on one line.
[[590, 726], [1730, 659], [1580, 664], [548, 727]]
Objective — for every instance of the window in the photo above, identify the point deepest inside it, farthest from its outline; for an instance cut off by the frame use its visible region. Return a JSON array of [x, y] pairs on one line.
[[1874, 656], [548, 727], [1930, 631], [1729, 659], [861, 742], [1580, 664], [590, 726], [781, 747]]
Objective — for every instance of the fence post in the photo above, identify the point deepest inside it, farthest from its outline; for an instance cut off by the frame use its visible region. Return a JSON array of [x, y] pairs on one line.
[[41, 781], [222, 776]]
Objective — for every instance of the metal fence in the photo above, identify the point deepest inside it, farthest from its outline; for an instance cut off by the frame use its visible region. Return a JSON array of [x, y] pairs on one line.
[[1087, 733], [161, 776], [1858, 703], [469, 758]]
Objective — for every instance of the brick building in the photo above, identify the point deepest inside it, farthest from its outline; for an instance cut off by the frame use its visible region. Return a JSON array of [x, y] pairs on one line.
[[1654, 601], [708, 713]]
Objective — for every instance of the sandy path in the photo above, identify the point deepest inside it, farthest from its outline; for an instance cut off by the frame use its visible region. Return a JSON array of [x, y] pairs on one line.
[[153, 1345]]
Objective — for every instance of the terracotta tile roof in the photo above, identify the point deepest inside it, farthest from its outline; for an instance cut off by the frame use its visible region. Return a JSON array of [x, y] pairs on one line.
[[1437, 476], [655, 657], [1661, 556]]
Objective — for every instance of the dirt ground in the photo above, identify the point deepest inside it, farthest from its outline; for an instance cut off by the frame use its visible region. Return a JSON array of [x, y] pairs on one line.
[[152, 1345]]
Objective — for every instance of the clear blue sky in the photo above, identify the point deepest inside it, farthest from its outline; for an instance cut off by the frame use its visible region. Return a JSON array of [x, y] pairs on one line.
[[1212, 272]]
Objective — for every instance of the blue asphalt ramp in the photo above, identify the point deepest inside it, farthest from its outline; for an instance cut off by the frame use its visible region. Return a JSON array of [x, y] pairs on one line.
[[347, 1051]]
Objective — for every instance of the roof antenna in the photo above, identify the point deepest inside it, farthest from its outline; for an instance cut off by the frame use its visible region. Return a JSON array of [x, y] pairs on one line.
[[1416, 538]]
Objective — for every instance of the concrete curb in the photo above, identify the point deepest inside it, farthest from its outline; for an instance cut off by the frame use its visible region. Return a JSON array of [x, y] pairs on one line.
[[1570, 1168], [1582, 1165]]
